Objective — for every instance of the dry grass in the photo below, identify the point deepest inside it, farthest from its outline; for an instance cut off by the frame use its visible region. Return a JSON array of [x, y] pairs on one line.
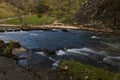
[[7, 10]]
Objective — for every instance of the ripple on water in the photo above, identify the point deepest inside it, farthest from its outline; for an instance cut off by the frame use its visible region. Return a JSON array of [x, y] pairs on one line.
[[61, 53], [33, 34]]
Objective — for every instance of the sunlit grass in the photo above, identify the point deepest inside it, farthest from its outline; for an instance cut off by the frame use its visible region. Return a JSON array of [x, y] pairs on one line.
[[78, 71], [33, 20]]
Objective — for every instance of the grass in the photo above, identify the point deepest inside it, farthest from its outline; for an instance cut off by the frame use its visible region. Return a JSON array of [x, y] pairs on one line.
[[33, 20], [78, 71], [66, 20]]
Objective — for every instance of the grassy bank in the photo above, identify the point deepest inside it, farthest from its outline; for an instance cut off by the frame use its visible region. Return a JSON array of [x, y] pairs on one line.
[[33, 20], [71, 70]]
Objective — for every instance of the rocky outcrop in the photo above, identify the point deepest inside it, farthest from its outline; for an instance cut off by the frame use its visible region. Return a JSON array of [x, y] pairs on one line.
[[105, 12]]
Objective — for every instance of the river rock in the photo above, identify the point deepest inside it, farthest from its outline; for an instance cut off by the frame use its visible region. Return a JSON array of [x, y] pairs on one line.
[[16, 51], [6, 48], [65, 30]]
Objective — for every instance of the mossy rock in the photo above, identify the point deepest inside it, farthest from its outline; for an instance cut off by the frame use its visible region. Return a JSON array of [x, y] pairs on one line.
[[6, 50], [14, 44]]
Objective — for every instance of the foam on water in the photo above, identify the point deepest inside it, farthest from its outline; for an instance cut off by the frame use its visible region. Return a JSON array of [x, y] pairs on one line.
[[40, 53], [56, 62], [78, 51], [83, 51], [61, 53], [95, 37], [112, 60], [52, 59], [87, 50]]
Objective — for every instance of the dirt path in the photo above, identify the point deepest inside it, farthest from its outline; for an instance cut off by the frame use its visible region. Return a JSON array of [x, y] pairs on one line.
[[40, 26], [10, 18], [6, 19], [52, 26]]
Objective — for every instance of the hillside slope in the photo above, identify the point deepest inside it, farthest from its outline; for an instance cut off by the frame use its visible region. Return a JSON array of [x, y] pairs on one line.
[[106, 12], [7, 10]]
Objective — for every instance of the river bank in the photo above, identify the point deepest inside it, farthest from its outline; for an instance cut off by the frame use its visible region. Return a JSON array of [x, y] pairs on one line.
[[11, 27], [39, 72], [9, 70], [68, 70]]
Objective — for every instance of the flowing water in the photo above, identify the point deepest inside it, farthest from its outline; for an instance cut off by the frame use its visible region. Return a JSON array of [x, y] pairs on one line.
[[51, 47]]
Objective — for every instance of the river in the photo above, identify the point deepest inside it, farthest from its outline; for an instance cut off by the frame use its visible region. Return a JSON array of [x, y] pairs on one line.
[[52, 46]]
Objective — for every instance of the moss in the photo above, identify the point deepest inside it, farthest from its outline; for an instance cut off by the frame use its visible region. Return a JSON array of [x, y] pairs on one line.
[[6, 50], [78, 71], [14, 44]]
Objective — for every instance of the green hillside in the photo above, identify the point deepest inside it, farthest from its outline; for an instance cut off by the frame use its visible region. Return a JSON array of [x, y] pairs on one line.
[[7, 10]]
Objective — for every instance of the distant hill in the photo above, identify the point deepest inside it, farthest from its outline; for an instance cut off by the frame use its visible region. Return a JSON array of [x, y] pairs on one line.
[[7, 10]]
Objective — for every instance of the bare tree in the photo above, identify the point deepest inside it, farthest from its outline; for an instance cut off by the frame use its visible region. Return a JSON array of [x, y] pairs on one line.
[[23, 7]]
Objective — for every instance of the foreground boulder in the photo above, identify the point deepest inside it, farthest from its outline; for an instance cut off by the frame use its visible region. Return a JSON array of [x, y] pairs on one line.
[[15, 51], [19, 53]]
